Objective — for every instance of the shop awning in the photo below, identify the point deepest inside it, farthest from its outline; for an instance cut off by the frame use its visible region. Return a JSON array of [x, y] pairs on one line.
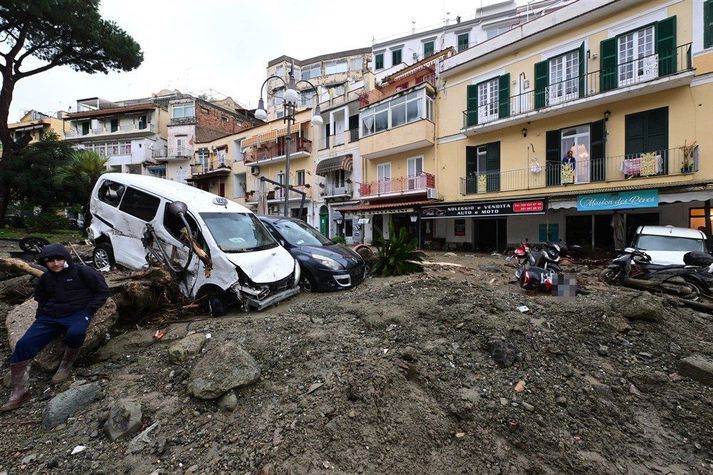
[[681, 197], [384, 208], [343, 162], [268, 136]]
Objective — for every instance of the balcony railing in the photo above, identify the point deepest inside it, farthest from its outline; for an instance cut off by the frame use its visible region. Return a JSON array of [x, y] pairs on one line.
[[670, 162], [279, 194], [277, 149], [398, 185], [629, 73], [333, 189], [180, 152], [340, 138], [213, 166], [376, 95], [75, 132]]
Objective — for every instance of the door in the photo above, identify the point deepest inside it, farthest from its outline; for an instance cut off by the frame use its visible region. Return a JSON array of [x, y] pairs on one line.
[[415, 170], [647, 132], [324, 220], [489, 234], [577, 139], [136, 209], [383, 174]]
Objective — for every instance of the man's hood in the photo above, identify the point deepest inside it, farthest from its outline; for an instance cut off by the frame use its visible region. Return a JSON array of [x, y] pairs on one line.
[[54, 250]]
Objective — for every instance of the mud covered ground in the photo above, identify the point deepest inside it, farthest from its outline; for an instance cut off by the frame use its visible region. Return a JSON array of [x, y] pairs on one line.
[[395, 377]]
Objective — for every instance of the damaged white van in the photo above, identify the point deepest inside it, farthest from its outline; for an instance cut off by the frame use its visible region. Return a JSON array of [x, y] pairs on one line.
[[217, 249]]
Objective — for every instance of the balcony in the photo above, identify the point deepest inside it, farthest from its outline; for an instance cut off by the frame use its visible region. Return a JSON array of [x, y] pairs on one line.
[[336, 191], [340, 138], [411, 136], [279, 194], [398, 186], [638, 77], [211, 169], [103, 131], [622, 168], [179, 153], [275, 151]]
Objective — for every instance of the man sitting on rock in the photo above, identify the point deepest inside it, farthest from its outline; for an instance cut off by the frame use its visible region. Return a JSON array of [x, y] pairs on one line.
[[67, 297]]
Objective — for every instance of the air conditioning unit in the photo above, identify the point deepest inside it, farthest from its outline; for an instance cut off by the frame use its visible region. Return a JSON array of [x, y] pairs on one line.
[[255, 170], [432, 194]]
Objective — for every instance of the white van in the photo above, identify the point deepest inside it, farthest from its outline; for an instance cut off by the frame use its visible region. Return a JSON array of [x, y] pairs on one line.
[[668, 244], [228, 257]]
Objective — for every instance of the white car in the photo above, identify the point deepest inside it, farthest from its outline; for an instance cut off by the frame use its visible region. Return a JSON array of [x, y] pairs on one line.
[[667, 244]]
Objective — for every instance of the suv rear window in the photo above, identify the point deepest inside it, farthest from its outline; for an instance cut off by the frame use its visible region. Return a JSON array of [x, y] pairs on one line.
[[111, 192]]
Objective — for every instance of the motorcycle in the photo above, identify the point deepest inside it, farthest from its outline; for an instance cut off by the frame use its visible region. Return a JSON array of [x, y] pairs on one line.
[[691, 281], [548, 256]]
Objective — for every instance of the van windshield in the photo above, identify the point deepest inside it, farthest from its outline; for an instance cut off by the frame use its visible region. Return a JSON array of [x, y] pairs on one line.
[[238, 232], [669, 243]]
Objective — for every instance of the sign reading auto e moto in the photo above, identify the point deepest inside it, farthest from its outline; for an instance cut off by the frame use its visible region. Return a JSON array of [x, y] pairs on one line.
[[484, 210]]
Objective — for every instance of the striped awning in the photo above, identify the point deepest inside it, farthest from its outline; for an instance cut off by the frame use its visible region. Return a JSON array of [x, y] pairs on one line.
[[268, 136], [343, 162]]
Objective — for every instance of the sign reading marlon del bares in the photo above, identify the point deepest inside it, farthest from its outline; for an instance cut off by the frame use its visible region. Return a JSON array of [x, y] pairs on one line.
[[484, 210]]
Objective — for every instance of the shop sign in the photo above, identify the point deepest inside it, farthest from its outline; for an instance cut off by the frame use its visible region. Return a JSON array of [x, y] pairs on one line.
[[621, 200], [484, 210]]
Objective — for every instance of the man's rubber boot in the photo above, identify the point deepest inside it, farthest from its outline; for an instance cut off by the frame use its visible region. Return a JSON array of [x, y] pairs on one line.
[[19, 373], [65, 367]]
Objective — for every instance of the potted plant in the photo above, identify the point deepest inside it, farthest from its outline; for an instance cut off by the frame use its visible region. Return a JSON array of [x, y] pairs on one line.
[[687, 162]]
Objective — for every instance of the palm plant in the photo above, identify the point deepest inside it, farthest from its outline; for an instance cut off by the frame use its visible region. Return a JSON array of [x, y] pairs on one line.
[[81, 173], [397, 256]]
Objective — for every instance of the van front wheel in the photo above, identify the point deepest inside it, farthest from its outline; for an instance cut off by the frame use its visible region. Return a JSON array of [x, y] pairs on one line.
[[216, 306]]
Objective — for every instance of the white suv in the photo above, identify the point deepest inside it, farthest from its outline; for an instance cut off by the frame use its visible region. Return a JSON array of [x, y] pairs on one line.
[[668, 244]]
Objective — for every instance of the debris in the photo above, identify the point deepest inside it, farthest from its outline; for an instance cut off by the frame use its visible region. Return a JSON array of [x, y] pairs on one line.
[[522, 308], [520, 386], [314, 387], [460, 435], [158, 335], [78, 449], [124, 419], [141, 441]]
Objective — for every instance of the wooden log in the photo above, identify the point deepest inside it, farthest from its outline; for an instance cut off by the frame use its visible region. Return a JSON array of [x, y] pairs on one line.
[[14, 263]]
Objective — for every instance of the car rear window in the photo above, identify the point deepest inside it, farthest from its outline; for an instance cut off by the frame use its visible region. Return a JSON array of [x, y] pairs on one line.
[[669, 243]]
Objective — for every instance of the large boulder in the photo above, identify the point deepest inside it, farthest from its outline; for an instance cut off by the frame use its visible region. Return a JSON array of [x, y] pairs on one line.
[[124, 419], [639, 306], [223, 367], [189, 346], [68, 403], [21, 317]]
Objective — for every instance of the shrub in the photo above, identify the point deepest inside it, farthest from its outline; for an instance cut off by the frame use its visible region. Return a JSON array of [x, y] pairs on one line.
[[339, 240], [397, 256], [47, 222]]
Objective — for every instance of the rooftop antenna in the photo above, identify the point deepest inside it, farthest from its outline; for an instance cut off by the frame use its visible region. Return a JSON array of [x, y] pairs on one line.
[[413, 26], [447, 19]]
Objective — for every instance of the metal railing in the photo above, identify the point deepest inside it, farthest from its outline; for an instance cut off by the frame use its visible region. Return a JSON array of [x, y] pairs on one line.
[[401, 184], [625, 74], [280, 193], [107, 130], [180, 152], [277, 149], [668, 162], [341, 138], [333, 189], [212, 165]]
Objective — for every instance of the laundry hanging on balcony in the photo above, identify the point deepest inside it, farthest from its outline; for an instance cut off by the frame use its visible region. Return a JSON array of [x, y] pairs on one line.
[[343, 162]]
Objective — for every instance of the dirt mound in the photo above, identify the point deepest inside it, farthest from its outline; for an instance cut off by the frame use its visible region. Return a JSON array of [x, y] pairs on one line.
[[398, 376]]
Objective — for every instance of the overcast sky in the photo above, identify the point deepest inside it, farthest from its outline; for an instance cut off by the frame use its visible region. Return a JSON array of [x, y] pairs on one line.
[[224, 45]]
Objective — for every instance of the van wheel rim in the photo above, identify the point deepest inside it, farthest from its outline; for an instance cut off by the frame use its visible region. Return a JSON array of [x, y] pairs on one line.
[[101, 258]]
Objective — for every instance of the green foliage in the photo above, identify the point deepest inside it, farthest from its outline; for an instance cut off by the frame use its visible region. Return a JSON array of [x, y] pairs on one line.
[[46, 223], [339, 240], [397, 256], [78, 176], [29, 176]]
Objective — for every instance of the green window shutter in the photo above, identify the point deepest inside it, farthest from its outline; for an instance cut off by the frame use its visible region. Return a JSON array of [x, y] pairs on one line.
[[379, 61], [471, 167], [582, 72], [554, 158], [427, 49], [607, 65], [471, 117], [708, 24], [597, 159], [542, 80], [492, 166], [666, 45], [504, 96]]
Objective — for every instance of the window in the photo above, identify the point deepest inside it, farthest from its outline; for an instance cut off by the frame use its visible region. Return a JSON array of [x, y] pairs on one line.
[[311, 71], [181, 111], [110, 193], [482, 168], [637, 61], [277, 96], [203, 158], [307, 97], [383, 173], [348, 227], [142, 122], [125, 148], [577, 140], [335, 67], [240, 185], [379, 61], [221, 158], [356, 64], [587, 141], [397, 111], [414, 167], [396, 57], [487, 101], [427, 48], [646, 132], [463, 41], [280, 71], [114, 125], [564, 78], [300, 177], [708, 23], [85, 128], [139, 204]]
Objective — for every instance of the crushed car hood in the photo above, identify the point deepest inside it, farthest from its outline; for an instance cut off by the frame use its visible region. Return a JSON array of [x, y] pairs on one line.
[[267, 266]]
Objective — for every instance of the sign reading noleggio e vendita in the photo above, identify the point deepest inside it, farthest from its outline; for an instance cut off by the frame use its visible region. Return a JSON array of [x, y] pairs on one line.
[[622, 200], [484, 209]]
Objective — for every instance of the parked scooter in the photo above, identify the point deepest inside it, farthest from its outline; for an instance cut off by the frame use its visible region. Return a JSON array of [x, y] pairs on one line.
[[548, 256], [691, 281]]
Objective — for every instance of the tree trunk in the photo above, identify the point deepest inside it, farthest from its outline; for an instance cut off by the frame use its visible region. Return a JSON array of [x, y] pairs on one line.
[[8, 144]]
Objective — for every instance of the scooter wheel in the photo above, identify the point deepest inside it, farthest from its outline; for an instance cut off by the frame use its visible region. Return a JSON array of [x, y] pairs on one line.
[[609, 276]]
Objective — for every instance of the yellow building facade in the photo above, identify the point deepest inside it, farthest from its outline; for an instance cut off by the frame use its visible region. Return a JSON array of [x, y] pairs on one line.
[[622, 85]]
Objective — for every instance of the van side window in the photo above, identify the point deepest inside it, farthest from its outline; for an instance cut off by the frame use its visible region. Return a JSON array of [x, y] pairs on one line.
[[173, 224], [139, 204], [111, 192]]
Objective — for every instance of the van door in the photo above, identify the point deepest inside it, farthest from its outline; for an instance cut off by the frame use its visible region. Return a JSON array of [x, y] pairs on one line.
[[135, 210], [105, 204], [168, 232]]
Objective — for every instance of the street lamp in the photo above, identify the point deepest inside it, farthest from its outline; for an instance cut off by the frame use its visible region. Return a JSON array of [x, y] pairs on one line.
[[290, 98]]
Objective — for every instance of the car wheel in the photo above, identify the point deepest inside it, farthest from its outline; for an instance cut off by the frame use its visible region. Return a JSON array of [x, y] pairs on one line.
[[307, 282], [33, 245], [103, 256], [216, 305]]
